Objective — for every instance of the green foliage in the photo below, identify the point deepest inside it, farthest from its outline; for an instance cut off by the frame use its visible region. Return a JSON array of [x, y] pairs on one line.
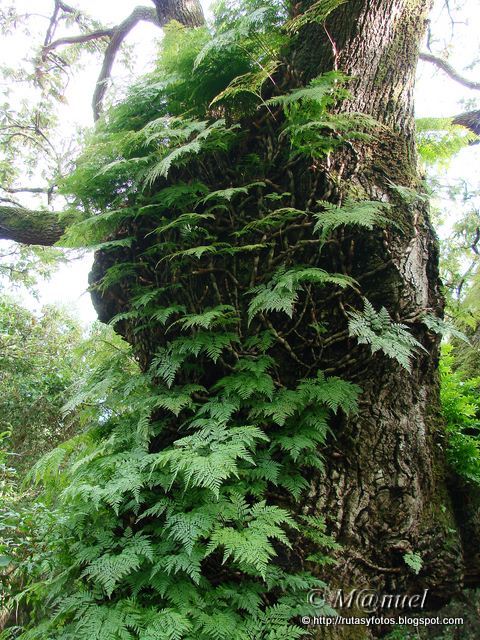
[[25, 266], [377, 330], [205, 138], [38, 364], [316, 531], [190, 512], [460, 260], [19, 516], [309, 126], [317, 12], [438, 139], [173, 513], [281, 293], [460, 397], [249, 84], [414, 561], [443, 328], [401, 633], [364, 213], [251, 35]]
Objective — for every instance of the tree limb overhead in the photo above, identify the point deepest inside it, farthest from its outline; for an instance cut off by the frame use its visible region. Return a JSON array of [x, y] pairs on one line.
[[79, 39], [118, 35], [470, 120], [187, 12], [30, 227], [45, 227], [450, 71]]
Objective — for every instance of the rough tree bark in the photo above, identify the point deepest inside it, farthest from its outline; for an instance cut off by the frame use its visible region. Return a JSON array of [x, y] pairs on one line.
[[385, 492], [187, 12], [386, 489]]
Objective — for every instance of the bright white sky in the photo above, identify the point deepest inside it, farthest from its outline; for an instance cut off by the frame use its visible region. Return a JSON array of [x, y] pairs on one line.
[[436, 95]]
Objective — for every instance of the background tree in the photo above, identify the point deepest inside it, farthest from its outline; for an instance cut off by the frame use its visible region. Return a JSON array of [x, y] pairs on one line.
[[44, 359], [38, 363]]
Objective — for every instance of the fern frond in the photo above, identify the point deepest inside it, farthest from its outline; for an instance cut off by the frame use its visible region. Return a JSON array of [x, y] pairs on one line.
[[281, 293], [250, 83], [219, 315], [168, 624], [250, 378], [364, 213], [317, 12], [109, 569], [230, 192], [318, 91], [184, 220], [377, 330], [210, 456], [250, 23], [437, 325], [272, 220], [213, 136], [438, 139]]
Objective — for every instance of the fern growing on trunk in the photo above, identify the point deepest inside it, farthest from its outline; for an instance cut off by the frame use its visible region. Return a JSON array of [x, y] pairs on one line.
[[177, 510]]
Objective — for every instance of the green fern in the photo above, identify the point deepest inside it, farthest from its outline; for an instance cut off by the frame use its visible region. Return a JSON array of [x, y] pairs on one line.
[[378, 331], [442, 327], [169, 359], [209, 318], [317, 12], [438, 139], [210, 456], [230, 192], [249, 25], [281, 293], [414, 561], [247, 85], [209, 137], [321, 91], [364, 213]]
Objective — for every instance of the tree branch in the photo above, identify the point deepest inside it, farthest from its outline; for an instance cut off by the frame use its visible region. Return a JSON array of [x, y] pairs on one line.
[[80, 39], [52, 24], [450, 71], [187, 12], [54, 19], [27, 189], [31, 227], [117, 37], [470, 120], [67, 8], [45, 227]]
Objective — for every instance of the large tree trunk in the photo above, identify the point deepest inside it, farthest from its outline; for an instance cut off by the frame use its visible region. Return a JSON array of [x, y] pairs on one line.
[[384, 491], [187, 12]]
